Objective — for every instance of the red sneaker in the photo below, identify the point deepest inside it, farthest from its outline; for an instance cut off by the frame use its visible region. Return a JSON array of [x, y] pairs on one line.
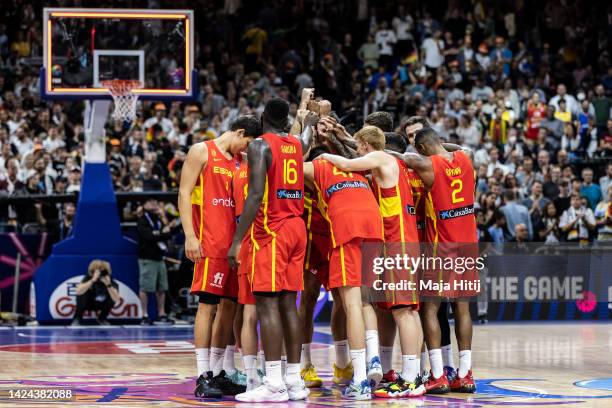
[[465, 384], [437, 385], [388, 378]]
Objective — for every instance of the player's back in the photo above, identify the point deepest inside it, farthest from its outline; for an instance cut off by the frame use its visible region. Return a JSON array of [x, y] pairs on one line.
[[421, 201], [347, 202], [212, 203], [240, 187], [284, 187], [452, 196]]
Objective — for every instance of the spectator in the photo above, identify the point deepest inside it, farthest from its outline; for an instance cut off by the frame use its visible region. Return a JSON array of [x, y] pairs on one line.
[[97, 292], [590, 190], [553, 125], [153, 231], [521, 234], [369, 53], [603, 217], [516, 214], [606, 181], [159, 119], [385, 39], [432, 51], [496, 230], [548, 226], [569, 100], [577, 221]]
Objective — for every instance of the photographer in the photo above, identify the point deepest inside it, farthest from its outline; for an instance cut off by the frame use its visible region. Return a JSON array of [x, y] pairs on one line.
[[97, 292]]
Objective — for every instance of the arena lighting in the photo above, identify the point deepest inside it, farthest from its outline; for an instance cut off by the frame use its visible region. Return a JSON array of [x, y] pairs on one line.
[[88, 14]]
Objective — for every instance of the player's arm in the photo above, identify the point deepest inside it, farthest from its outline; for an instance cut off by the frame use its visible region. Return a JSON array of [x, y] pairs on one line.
[[452, 147], [259, 157], [309, 174], [341, 148], [370, 161], [307, 95], [308, 134], [196, 159], [419, 163]]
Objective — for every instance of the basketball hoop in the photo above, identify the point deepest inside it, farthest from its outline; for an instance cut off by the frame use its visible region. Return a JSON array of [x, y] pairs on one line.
[[125, 100]]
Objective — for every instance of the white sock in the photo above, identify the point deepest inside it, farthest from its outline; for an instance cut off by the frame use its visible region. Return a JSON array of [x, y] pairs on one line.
[[358, 358], [435, 360], [465, 362], [371, 344], [228, 360], [216, 355], [262, 361], [342, 353], [386, 358], [273, 372], [447, 356], [423, 361], [293, 373], [284, 365], [305, 358], [250, 367], [410, 367], [202, 360]]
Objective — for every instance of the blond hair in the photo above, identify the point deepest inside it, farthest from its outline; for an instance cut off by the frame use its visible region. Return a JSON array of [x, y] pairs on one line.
[[371, 135], [98, 264]]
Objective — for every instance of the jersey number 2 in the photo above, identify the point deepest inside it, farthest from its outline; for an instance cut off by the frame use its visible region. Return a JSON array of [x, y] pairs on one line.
[[290, 171], [456, 190]]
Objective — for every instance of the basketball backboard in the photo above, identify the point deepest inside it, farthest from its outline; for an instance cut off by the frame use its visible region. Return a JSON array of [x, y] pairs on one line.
[[84, 47]]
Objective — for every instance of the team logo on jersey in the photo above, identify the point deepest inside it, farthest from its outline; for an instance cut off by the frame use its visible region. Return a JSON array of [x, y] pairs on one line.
[[345, 184], [286, 194], [410, 209], [217, 279], [456, 212]]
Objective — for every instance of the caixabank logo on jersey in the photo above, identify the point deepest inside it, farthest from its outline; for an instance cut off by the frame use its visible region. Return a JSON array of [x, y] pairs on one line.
[[456, 212], [62, 302], [286, 194]]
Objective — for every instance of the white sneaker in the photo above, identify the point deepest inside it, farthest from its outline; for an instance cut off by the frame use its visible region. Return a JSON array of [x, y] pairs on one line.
[[297, 391], [266, 392]]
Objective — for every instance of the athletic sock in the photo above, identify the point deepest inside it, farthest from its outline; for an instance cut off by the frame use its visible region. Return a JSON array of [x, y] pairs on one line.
[[386, 358], [342, 353], [410, 368], [305, 357], [423, 361], [262, 361], [202, 360], [447, 356], [273, 372], [283, 365], [293, 373], [216, 355], [435, 360], [358, 358], [371, 344], [250, 367], [465, 362], [228, 360]]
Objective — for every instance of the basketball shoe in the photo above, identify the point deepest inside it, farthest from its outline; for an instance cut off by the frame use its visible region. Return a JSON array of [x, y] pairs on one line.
[[226, 385], [437, 385], [361, 391], [310, 376], [205, 388], [297, 391], [266, 392], [450, 373], [389, 378], [465, 384], [375, 373], [401, 389], [343, 376]]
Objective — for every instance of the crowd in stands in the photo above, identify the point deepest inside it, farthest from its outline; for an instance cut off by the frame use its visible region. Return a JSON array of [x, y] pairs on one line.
[[527, 85]]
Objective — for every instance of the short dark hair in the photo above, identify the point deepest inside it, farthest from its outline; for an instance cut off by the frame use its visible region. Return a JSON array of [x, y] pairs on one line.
[[276, 113], [426, 136], [316, 152], [250, 124], [380, 119], [395, 142], [413, 120], [509, 195]]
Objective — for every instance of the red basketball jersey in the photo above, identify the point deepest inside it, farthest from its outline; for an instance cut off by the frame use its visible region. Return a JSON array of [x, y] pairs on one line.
[[241, 187], [419, 195], [284, 188], [397, 209], [452, 196], [314, 221], [346, 201], [212, 204]]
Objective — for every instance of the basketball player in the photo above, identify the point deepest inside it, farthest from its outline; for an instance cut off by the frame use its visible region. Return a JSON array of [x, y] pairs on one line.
[[395, 200], [349, 226], [272, 211], [205, 189], [449, 180], [413, 125]]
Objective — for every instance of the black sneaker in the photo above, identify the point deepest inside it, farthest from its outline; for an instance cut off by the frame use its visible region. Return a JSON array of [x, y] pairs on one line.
[[146, 321], [77, 322], [226, 385], [163, 321], [482, 319], [205, 389]]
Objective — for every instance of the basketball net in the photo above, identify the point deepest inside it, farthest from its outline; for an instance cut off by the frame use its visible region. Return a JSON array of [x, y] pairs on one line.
[[125, 100]]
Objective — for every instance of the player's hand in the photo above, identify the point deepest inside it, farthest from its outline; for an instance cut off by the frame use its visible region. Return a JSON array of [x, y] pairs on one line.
[[96, 275], [310, 119], [307, 94], [232, 255], [105, 279], [324, 108], [193, 249]]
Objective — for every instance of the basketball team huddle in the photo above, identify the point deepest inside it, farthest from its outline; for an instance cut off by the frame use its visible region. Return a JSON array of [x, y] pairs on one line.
[[271, 209]]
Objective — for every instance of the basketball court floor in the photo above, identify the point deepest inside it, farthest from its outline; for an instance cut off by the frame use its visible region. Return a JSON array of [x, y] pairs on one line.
[[516, 365]]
